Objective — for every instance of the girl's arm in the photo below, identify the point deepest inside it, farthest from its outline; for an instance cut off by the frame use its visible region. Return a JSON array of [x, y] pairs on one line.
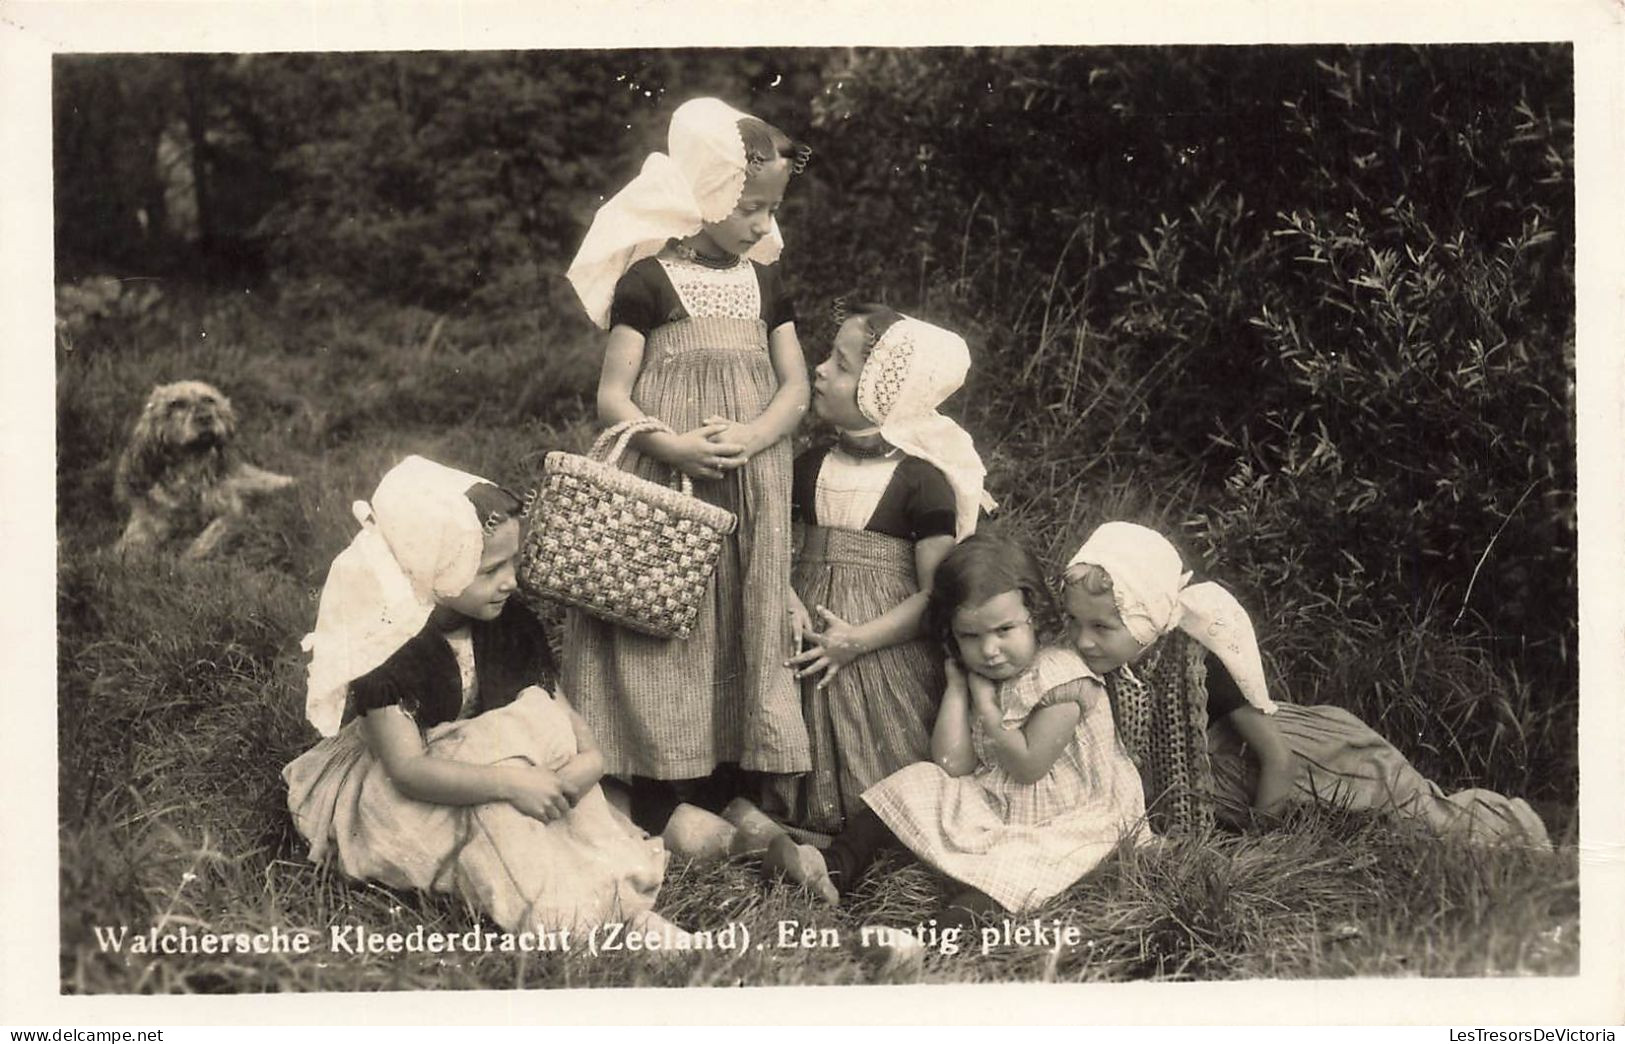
[[583, 771], [1026, 754], [788, 405], [841, 642], [1275, 775], [950, 741], [395, 741], [692, 452]]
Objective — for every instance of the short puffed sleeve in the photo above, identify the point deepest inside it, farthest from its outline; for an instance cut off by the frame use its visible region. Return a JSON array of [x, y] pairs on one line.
[[642, 298], [778, 306], [931, 501], [1082, 691], [917, 503], [421, 677]]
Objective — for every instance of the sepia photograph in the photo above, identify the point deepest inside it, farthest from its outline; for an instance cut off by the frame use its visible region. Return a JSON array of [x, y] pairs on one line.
[[877, 515]]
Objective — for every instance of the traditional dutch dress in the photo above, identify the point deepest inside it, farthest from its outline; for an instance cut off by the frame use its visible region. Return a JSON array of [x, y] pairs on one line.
[[476, 695], [1173, 709], [857, 521], [1175, 702], [591, 867], [1023, 843], [670, 709]]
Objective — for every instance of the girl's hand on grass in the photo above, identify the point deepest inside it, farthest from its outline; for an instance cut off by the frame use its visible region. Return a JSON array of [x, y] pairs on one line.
[[539, 794], [699, 454], [837, 645]]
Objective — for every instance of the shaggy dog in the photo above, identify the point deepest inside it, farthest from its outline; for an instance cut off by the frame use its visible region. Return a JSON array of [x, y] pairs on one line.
[[180, 474]]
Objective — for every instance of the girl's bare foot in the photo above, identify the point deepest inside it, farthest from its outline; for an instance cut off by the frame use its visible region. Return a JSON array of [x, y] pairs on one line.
[[756, 829], [697, 835], [802, 864]]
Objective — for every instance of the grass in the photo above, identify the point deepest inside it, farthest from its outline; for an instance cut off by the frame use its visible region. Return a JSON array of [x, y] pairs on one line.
[[181, 697]]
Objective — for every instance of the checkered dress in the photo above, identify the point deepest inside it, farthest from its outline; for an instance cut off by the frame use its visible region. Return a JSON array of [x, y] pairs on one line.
[[1023, 843]]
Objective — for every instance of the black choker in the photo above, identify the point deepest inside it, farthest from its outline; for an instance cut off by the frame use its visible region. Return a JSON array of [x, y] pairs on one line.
[[688, 253], [866, 451]]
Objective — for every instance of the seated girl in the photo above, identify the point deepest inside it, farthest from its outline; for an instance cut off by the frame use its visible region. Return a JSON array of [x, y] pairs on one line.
[[446, 766], [1182, 665], [1029, 788]]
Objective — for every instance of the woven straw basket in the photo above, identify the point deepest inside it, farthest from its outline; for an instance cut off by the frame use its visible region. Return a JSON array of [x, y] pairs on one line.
[[627, 550]]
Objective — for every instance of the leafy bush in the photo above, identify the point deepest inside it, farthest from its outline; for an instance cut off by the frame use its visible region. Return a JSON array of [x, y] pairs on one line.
[[1319, 299]]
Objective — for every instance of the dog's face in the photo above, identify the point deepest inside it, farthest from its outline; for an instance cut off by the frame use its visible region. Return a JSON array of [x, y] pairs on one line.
[[187, 415]]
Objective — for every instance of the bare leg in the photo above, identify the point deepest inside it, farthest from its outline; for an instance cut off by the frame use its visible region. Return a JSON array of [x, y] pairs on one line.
[[697, 835], [802, 864]]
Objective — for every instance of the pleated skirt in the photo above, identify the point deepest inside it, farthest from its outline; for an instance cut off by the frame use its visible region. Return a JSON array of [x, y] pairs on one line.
[[876, 716]]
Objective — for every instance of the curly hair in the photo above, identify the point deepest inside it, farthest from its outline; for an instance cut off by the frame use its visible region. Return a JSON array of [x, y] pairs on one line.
[[495, 505], [765, 143], [877, 318], [979, 568], [1090, 577]]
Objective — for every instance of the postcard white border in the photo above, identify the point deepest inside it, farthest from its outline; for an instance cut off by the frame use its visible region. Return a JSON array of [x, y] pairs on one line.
[[31, 32]]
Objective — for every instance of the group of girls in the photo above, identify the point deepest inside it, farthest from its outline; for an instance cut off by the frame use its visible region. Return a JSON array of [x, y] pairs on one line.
[[864, 668]]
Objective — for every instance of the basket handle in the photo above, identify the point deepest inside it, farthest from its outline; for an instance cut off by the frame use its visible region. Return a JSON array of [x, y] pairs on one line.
[[622, 434]]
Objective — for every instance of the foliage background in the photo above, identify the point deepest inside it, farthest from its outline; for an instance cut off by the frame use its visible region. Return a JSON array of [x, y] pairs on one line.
[[1310, 310]]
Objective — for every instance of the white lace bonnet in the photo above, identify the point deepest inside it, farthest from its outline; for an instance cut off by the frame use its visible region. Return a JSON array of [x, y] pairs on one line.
[[699, 179], [912, 368], [1154, 595], [421, 539]]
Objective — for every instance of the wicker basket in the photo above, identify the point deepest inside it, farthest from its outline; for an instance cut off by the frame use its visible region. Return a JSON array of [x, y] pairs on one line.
[[622, 548]]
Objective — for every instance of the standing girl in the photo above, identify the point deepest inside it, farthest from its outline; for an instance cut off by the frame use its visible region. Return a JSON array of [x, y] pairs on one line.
[[1187, 684], [701, 337], [446, 766], [1028, 788], [876, 513]]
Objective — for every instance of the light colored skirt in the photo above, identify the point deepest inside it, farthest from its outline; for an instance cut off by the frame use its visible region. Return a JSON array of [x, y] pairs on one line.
[[676, 709], [877, 715], [1021, 843], [587, 869], [1339, 760]]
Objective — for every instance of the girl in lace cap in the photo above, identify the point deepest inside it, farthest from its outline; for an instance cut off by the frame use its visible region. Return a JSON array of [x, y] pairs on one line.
[[1182, 665], [679, 268], [446, 765], [874, 515]]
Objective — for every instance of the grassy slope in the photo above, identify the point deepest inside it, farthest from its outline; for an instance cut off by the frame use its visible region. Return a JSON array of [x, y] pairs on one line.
[[181, 698]]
